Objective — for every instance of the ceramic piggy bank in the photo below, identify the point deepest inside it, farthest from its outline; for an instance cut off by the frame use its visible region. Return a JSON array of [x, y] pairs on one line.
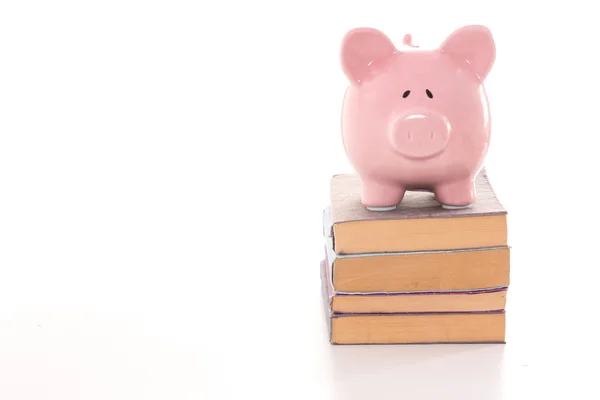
[[416, 119]]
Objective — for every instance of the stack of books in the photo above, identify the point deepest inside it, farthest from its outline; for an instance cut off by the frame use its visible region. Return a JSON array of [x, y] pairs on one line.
[[418, 274]]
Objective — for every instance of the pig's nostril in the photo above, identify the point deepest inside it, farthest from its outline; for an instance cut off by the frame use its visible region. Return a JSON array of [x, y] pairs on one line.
[[430, 135], [409, 135]]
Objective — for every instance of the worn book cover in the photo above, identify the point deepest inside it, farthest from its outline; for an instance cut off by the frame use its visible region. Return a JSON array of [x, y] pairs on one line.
[[418, 223]]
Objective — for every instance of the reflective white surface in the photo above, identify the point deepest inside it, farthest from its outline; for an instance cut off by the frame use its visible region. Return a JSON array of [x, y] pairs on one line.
[[192, 354]]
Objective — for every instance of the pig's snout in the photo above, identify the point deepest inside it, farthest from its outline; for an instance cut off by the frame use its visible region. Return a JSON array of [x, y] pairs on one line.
[[419, 135]]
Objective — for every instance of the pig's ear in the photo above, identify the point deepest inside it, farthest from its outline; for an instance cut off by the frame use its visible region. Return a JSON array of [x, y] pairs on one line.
[[363, 50], [473, 47]]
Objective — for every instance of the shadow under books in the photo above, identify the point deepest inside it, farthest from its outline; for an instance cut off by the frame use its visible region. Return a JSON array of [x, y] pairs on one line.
[[397, 371]]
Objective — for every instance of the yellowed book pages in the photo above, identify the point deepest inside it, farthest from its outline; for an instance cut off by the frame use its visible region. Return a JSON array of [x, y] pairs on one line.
[[418, 223]]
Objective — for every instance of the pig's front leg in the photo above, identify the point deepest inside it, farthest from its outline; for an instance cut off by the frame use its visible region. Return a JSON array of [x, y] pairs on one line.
[[456, 195], [377, 196]]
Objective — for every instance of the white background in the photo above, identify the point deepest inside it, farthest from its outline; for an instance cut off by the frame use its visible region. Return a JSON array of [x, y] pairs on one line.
[[164, 165]]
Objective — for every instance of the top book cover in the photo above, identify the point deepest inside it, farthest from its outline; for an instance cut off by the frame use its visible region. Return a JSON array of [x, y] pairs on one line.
[[346, 203], [418, 223]]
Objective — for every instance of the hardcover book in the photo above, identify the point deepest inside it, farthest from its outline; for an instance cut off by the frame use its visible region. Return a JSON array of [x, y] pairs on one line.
[[369, 327], [422, 271], [419, 223], [491, 299]]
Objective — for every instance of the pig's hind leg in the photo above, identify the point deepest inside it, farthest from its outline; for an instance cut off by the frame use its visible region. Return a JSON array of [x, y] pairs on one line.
[[377, 196], [456, 195]]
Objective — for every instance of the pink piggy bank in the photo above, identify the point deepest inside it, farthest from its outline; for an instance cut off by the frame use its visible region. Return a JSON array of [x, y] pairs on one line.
[[416, 119]]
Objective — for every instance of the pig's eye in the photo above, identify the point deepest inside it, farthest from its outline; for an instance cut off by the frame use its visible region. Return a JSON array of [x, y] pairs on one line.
[[405, 94], [429, 94]]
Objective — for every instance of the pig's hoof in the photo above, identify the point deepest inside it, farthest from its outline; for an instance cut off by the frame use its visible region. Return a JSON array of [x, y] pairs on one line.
[[390, 208], [448, 207]]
